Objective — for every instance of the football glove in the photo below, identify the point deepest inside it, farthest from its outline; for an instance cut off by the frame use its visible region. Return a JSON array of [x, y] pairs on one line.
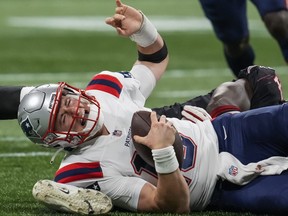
[[194, 114]]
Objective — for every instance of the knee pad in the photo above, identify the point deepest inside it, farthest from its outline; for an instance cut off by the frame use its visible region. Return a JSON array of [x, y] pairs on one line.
[[265, 85]]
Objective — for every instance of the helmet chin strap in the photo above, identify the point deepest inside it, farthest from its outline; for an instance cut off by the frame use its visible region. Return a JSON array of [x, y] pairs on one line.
[[55, 154]]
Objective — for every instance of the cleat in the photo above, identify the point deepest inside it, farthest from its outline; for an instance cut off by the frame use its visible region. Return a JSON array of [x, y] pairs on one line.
[[67, 198]]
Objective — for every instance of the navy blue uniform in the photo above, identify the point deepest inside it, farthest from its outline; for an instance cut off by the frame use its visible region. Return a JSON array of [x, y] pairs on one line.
[[229, 17], [253, 136], [230, 23]]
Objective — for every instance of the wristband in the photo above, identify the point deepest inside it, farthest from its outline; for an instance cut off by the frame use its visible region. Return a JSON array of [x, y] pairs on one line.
[[165, 160], [147, 33]]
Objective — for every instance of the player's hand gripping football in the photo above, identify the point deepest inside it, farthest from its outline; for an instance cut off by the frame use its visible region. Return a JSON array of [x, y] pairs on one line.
[[126, 20], [194, 114], [161, 134]]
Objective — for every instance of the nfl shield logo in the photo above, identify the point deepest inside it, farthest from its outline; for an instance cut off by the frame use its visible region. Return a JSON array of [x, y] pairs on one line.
[[233, 170], [117, 133]]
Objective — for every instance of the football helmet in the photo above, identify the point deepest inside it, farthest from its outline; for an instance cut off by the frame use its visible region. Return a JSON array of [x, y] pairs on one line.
[[38, 110]]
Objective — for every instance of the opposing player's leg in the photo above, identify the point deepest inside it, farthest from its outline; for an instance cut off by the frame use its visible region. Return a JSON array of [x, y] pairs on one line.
[[254, 135], [265, 85], [257, 86], [174, 111], [230, 25], [264, 195], [239, 55], [230, 97], [67, 198], [275, 16], [277, 25], [264, 134]]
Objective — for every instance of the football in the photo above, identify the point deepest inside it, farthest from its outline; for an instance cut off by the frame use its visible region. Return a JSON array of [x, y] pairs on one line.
[[140, 125]]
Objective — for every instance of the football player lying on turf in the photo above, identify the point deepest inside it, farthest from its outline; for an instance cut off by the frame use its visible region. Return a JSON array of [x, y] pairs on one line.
[[94, 127], [119, 95], [228, 163]]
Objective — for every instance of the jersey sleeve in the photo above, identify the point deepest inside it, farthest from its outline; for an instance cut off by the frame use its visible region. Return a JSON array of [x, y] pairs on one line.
[[136, 84], [146, 78]]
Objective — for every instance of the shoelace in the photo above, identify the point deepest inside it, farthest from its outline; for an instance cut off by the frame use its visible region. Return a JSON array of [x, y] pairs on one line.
[[55, 155]]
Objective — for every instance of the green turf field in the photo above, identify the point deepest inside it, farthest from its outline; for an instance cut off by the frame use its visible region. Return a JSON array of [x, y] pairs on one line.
[[43, 41]]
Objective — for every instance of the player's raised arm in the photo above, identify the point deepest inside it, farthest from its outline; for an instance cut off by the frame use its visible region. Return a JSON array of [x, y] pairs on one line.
[[10, 97], [152, 51]]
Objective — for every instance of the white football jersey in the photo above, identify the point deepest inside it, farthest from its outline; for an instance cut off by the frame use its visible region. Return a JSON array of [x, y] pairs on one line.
[[109, 163]]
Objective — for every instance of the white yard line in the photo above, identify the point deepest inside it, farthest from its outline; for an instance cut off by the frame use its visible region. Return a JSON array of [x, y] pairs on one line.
[[13, 139], [177, 73], [97, 23], [25, 154]]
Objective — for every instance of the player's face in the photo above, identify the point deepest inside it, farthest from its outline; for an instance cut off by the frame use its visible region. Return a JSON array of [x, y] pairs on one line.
[[72, 114]]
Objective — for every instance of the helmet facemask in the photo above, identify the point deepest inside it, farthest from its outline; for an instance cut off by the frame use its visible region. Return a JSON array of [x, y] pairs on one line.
[[86, 118]]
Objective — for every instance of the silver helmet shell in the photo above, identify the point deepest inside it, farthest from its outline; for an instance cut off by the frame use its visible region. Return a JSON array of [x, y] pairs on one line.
[[34, 111]]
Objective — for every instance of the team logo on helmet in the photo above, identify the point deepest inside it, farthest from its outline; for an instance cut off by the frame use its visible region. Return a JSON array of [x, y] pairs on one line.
[[28, 128]]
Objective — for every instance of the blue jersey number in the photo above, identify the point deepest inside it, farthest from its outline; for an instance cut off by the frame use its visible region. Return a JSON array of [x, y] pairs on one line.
[[190, 152], [189, 158]]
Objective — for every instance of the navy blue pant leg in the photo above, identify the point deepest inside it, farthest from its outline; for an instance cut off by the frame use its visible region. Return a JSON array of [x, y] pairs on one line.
[[252, 136]]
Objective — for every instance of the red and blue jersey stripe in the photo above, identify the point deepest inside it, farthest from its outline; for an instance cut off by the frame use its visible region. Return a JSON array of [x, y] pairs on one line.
[[106, 83], [78, 171]]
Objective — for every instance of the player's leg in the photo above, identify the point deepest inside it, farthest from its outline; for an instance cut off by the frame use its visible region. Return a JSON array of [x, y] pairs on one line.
[[264, 195], [265, 85], [257, 86], [254, 135], [229, 97], [275, 16], [174, 111], [229, 22]]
